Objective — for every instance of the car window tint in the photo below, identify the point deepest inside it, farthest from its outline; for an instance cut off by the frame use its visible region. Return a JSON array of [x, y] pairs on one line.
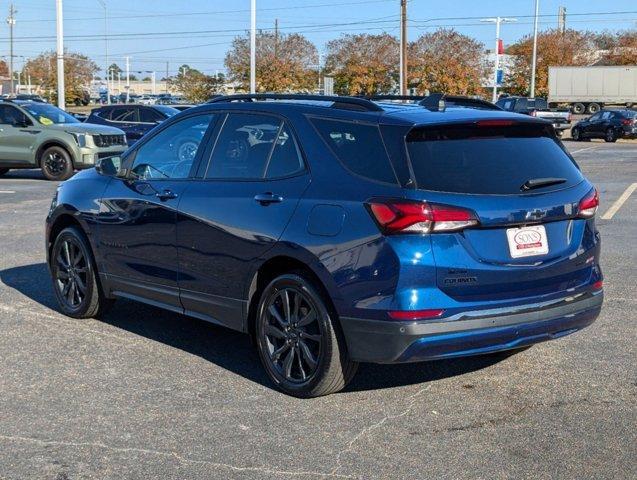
[[243, 146], [540, 104], [10, 115], [171, 152], [521, 104], [124, 114], [286, 158], [493, 160], [595, 117], [606, 115], [149, 115], [358, 146]]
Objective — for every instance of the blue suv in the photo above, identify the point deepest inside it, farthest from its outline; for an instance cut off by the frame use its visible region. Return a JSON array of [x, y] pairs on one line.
[[339, 230]]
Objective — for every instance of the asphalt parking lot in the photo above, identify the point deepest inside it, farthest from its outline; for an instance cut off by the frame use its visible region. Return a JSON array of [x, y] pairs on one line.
[[149, 394]]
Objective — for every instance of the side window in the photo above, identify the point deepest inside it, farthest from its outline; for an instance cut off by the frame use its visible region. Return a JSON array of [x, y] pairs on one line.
[[243, 146], [508, 105], [607, 115], [171, 152], [149, 115], [286, 157], [521, 105], [10, 115], [595, 117], [540, 104], [124, 115], [358, 146]]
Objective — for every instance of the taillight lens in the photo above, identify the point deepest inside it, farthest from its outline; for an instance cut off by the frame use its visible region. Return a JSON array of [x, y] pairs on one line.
[[399, 217], [626, 121], [588, 205]]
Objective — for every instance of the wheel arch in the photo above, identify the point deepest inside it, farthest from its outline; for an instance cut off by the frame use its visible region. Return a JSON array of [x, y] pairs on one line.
[[53, 143], [279, 264]]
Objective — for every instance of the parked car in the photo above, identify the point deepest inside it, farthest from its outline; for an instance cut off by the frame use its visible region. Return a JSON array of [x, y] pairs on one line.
[[134, 120], [147, 100], [32, 97], [40, 135], [338, 230], [610, 125], [537, 107], [181, 108]]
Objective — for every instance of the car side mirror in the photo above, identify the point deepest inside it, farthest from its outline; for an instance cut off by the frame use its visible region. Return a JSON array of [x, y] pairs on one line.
[[110, 166]]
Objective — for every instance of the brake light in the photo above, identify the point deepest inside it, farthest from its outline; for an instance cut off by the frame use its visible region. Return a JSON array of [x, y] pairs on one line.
[[415, 314], [397, 217], [588, 205], [598, 285], [626, 121], [495, 123]]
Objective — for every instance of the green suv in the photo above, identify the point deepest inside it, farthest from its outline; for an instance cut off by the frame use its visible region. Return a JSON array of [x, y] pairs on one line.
[[40, 135]]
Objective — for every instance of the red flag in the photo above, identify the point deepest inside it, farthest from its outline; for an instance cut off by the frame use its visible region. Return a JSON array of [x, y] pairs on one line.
[[500, 47]]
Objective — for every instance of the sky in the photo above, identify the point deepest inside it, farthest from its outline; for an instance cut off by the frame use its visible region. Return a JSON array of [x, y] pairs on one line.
[[199, 32]]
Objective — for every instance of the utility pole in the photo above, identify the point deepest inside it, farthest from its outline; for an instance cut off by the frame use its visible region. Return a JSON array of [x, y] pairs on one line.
[[253, 46], [561, 19], [103, 4], [403, 47], [60, 52], [498, 43], [11, 22], [534, 56], [276, 38], [127, 78]]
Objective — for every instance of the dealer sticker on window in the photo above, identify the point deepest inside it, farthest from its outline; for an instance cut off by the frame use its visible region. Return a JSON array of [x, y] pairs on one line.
[[527, 241]]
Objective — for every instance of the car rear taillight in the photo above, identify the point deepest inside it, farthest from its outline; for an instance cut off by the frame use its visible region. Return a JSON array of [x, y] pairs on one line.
[[588, 205], [569, 117], [399, 217], [626, 121]]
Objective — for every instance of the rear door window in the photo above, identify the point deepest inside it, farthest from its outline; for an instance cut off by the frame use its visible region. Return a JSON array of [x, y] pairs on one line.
[[358, 146], [127, 114], [488, 159]]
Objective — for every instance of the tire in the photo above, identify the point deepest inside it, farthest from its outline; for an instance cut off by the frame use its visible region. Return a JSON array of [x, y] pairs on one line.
[[578, 108], [3, 171], [610, 136], [56, 163], [72, 266], [302, 358], [576, 135], [593, 108]]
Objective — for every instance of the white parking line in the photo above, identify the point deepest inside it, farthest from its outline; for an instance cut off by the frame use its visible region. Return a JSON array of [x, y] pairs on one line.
[[7, 191], [619, 202], [584, 149]]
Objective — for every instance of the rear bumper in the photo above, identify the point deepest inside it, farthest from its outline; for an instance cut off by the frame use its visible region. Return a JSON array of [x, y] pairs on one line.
[[469, 333]]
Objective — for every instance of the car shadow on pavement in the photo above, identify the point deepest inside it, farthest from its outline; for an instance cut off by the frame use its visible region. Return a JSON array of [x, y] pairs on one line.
[[226, 348]]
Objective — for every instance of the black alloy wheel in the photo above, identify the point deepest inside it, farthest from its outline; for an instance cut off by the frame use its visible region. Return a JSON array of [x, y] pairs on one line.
[[299, 343], [74, 276], [56, 163]]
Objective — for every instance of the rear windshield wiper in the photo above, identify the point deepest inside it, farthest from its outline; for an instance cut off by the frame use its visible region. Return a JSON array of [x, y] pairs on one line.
[[541, 182]]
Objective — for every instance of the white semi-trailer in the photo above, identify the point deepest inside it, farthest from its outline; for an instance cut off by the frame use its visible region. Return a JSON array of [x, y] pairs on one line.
[[588, 89]]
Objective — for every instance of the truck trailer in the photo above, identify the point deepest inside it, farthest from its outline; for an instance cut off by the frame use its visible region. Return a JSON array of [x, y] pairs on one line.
[[589, 89]]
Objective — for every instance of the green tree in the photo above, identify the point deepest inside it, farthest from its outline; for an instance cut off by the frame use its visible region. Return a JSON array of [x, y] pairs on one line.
[[284, 62], [553, 48], [78, 72], [446, 61], [363, 63]]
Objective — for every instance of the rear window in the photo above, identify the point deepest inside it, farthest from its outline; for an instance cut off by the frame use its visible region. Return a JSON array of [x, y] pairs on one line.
[[359, 148], [628, 113], [488, 159]]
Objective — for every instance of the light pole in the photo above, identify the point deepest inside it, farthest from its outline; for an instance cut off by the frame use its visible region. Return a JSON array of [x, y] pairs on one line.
[[253, 46], [534, 57], [11, 23], [103, 4], [60, 52], [497, 21]]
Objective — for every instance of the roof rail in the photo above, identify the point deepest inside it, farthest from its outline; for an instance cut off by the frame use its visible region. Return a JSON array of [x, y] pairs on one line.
[[413, 98], [345, 103], [438, 102]]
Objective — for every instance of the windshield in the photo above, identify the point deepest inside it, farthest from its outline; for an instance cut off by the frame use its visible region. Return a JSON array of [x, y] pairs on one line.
[[168, 111], [48, 114]]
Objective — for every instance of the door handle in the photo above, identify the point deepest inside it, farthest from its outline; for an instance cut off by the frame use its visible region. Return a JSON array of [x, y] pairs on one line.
[[267, 198], [166, 195]]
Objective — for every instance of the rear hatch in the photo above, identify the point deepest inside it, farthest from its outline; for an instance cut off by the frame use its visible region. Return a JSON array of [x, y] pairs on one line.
[[527, 204]]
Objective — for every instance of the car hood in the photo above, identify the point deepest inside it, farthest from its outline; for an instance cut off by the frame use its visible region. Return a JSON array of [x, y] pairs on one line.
[[90, 128]]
